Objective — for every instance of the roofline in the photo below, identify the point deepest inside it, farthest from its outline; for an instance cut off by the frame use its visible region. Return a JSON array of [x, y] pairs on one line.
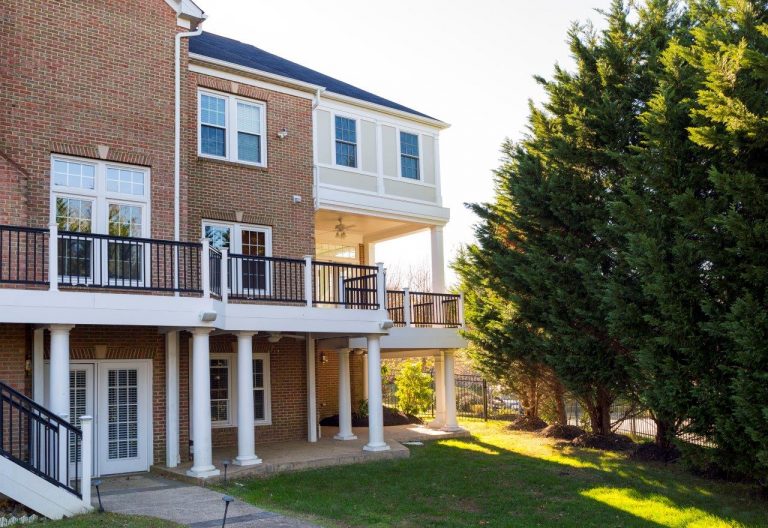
[[187, 9], [314, 88]]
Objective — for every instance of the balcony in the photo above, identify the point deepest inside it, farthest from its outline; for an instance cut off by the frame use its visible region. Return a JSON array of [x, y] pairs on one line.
[[96, 262], [423, 309]]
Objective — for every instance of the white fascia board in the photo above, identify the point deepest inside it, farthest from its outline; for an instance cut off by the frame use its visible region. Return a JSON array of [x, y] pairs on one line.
[[410, 338], [325, 94], [396, 208], [250, 81], [43, 307]]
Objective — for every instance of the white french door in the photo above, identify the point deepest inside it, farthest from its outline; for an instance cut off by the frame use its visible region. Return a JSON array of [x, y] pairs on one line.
[[123, 429]]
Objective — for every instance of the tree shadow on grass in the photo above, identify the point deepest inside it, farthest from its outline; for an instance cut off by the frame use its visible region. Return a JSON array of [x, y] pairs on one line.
[[471, 482]]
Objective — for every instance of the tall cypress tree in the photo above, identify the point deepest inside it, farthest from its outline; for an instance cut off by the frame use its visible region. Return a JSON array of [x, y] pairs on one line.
[[543, 246], [730, 120]]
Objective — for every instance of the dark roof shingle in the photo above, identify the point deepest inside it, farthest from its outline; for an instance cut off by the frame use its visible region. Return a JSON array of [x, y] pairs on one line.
[[236, 52]]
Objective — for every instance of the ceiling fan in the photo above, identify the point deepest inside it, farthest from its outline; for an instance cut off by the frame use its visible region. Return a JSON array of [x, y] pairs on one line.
[[341, 229]]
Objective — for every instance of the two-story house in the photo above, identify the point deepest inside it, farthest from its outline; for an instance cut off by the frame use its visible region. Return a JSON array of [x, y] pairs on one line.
[[187, 248]]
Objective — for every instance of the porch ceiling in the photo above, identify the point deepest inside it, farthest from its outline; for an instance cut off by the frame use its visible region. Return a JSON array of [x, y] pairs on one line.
[[361, 229]]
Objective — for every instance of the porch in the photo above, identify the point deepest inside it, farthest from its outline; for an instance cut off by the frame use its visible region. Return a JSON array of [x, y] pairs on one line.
[[278, 457]]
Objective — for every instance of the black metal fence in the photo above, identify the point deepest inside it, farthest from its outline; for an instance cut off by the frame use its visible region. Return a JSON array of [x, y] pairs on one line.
[[23, 255], [345, 285], [266, 278]]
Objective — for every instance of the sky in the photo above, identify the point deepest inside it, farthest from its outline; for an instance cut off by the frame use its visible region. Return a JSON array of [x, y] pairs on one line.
[[470, 64]]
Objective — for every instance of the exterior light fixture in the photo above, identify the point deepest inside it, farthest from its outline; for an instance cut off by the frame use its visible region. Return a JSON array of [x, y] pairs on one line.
[[323, 357], [227, 499], [226, 463], [283, 133], [97, 483]]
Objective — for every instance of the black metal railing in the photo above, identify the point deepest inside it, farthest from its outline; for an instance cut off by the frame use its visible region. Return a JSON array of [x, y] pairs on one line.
[[396, 306], [214, 271], [345, 285], [105, 261], [266, 278], [435, 309], [23, 255], [31, 436]]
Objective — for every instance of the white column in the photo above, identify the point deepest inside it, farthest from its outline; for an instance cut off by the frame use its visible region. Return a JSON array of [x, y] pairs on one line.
[[64, 452], [246, 439], [38, 366], [58, 371], [375, 412], [345, 398], [172, 399], [309, 290], [311, 391], [439, 420], [365, 376], [201, 405], [438, 259], [450, 393], [86, 425], [205, 267]]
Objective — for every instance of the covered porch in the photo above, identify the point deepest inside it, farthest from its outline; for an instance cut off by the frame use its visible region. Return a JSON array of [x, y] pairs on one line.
[[297, 455]]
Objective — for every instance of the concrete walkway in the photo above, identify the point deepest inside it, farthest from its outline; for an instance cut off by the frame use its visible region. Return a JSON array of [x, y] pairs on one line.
[[186, 504]]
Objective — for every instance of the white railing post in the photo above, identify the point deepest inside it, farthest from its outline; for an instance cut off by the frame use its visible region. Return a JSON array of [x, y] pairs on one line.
[[381, 286], [308, 279], [342, 291], [407, 315], [53, 257], [86, 457], [63, 451], [224, 275], [205, 267], [461, 309]]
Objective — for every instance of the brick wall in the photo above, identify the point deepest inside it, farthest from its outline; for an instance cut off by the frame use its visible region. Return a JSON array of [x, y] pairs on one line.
[[15, 347], [74, 75], [217, 189], [327, 376]]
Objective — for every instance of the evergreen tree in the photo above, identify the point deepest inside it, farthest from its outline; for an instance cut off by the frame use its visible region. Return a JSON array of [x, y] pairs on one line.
[[730, 120], [544, 255]]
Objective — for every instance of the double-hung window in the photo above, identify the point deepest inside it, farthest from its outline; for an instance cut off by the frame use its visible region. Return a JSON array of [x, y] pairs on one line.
[[409, 155], [224, 391], [90, 198], [232, 128], [346, 142]]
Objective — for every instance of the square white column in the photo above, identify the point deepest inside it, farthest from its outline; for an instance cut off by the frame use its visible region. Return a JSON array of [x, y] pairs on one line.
[[438, 259], [345, 398], [201, 405], [311, 391], [439, 420], [246, 438], [451, 425], [375, 411], [172, 399]]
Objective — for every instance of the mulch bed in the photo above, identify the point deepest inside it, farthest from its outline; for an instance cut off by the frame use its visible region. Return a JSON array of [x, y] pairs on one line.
[[652, 453], [562, 432], [391, 417], [610, 442], [525, 423]]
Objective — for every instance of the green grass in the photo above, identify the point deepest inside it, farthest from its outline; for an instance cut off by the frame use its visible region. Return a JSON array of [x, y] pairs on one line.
[[109, 520], [501, 478]]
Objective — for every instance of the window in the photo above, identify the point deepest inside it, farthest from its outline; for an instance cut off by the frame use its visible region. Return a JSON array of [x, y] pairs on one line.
[[224, 392], [346, 142], [89, 196], [220, 391], [409, 155], [232, 128]]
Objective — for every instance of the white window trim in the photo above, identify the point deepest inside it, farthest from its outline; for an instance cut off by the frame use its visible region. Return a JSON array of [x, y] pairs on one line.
[[264, 356], [230, 127], [99, 195], [420, 179], [233, 390], [358, 144]]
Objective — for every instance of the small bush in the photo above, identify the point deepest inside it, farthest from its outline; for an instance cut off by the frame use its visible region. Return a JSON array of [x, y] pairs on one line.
[[414, 388]]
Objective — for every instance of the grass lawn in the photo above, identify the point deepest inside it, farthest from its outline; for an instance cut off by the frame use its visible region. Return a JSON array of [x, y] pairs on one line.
[[501, 478], [109, 520]]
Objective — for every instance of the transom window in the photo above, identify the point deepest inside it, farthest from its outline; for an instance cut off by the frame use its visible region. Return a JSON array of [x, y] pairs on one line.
[[232, 128], [224, 391], [346, 142], [409, 155]]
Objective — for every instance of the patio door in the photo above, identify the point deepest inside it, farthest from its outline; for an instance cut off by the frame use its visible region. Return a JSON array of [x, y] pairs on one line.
[[123, 401], [250, 274], [81, 395]]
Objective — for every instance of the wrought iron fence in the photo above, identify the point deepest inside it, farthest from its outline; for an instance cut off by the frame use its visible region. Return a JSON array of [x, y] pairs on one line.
[[345, 285], [266, 278]]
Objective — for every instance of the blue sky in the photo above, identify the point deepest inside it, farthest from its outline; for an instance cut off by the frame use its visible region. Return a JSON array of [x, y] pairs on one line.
[[470, 64]]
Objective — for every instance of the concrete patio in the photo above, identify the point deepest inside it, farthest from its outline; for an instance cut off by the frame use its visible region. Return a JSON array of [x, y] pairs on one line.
[[298, 455]]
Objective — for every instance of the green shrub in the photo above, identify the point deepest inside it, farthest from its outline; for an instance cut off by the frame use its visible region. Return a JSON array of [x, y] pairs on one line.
[[414, 388]]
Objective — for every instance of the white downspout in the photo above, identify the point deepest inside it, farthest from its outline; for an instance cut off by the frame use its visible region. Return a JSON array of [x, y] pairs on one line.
[[315, 182], [177, 150]]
